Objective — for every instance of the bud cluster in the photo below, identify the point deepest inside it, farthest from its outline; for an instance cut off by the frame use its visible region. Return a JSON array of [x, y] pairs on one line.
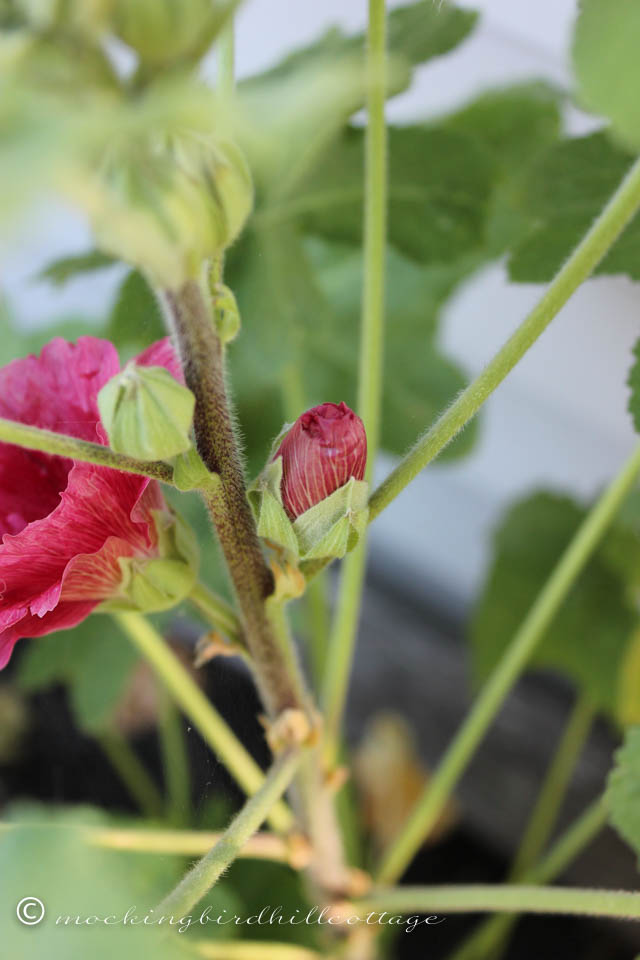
[[311, 498]]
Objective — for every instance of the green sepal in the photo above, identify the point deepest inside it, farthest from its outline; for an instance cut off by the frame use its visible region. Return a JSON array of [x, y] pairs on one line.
[[266, 502], [153, 584], [332, 527], [189, 471], [147, 414]]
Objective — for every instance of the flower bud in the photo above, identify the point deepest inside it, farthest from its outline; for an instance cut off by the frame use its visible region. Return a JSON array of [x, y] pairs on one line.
[[311, 500], [168, 205], [324, 448], [166, 31], [147, 414]]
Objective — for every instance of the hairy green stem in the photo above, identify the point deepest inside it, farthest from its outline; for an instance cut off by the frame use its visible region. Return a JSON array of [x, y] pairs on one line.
[[516, 898], [554, 787], [622, 206], [343, 636], [493, 932], [511, 665], [134, 776], [175, 761], [199, 880], [226, 59], [61, 445], [251, 950], [199, 710], [225, 495]]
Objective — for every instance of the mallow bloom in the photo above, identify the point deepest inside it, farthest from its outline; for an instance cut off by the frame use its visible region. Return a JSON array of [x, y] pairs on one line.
[[75, 536]]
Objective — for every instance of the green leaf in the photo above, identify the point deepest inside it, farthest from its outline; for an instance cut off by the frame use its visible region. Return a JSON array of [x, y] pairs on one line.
[[418, 32], [605, 58], [516, 125], [623, 790], [634, 383], [566, 191], [93, 659], [44, 855], [135, 320], [590, 634], [439, 187], [58, 272]]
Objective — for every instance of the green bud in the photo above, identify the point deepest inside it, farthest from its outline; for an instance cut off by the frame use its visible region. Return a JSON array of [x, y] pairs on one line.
[[167, 206], [167, 31], [226, 313], [189, 472], [147, 414], [160, 582], [329, 529]]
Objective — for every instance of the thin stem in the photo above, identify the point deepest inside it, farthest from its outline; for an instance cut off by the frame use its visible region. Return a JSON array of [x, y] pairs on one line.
[[318, 624], [61, 445], [554, 787], [216, 611], [175, 761], [517, 898], [494, 930], [225, 495], [226, 59], [199, 880], [200, 711], [251, 950], [597, 241], [513, 662], [188, 843], [343, 637], [129, 768]]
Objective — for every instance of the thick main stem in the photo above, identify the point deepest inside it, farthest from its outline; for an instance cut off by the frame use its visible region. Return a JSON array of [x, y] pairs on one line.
[[622, 206], [343, 637], [202, 361], [513, 662], [199, 880]]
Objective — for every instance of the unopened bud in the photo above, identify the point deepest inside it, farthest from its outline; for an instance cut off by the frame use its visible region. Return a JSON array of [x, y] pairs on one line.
[[147, 414], [311, 498]]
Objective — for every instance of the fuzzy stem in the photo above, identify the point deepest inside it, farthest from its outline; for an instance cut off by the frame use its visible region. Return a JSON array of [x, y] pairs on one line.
[[61, 445], [200, 711], [226, 59], [216, 611], [343, 636], [493, 931], [554, 787], [606, 229], [199, 880], [511, 665], [175, 761], [136, 779], [251, 950], [515, 898], [225, 495]]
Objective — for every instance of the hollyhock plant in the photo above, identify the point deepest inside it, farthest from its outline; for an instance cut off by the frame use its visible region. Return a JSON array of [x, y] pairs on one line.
[[73, 534], [325, 447]]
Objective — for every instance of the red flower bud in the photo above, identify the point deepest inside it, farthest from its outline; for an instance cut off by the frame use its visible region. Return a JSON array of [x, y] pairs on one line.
[[324, 448]]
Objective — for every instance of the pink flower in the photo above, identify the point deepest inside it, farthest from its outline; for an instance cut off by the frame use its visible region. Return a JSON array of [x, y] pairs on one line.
[[324, 448], [65, 524]]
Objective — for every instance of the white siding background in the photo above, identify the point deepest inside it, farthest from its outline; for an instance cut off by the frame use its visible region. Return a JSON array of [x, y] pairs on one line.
[[558, 421]]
